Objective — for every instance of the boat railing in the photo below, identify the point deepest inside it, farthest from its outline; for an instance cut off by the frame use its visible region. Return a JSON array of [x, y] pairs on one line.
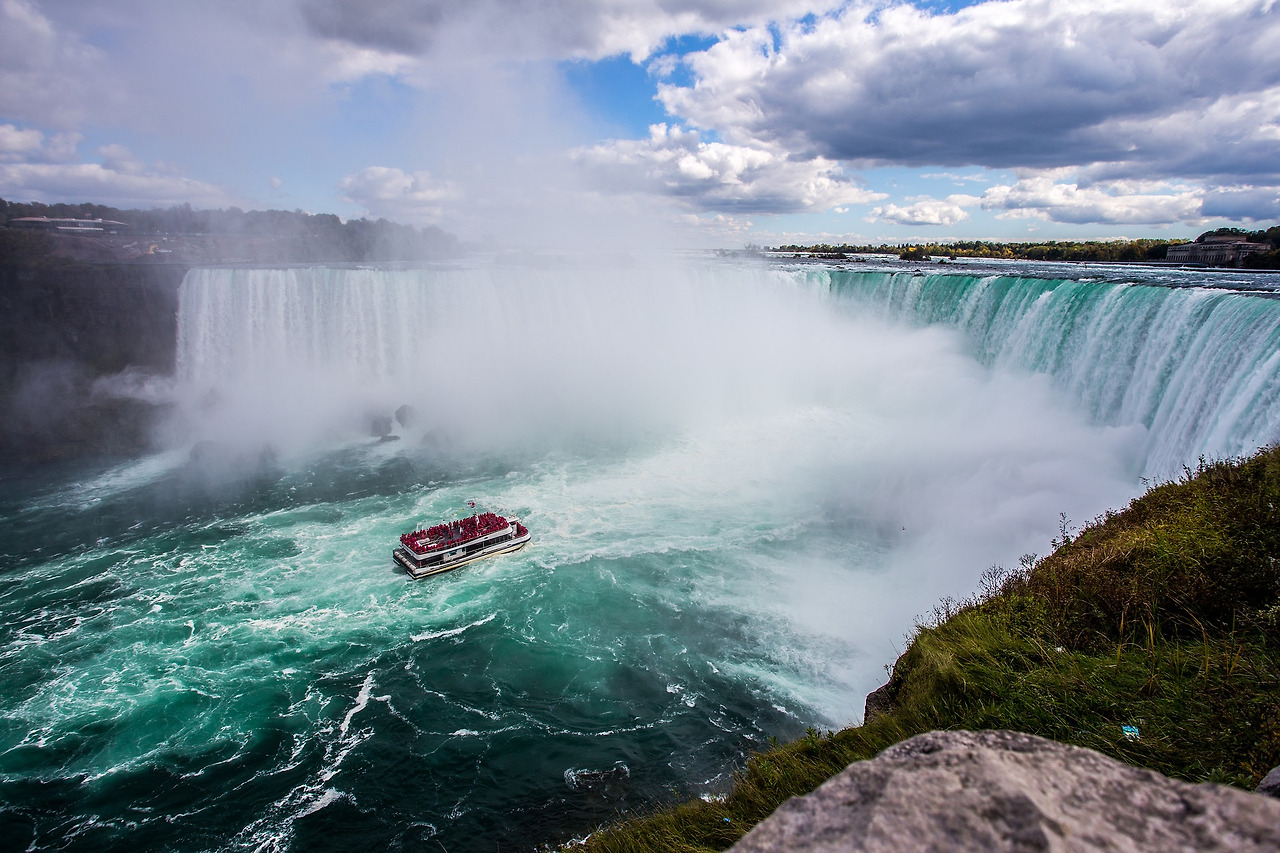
[[451, 534]]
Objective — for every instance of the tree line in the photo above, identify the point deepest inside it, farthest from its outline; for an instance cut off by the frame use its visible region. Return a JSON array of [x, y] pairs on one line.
[[296, 234], [1055, 250]]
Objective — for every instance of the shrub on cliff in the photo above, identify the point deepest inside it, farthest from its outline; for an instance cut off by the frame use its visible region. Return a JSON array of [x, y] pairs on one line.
[[1188, 557]]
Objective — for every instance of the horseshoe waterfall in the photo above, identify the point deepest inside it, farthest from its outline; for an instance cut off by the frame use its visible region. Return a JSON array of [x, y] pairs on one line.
[[743, 480]]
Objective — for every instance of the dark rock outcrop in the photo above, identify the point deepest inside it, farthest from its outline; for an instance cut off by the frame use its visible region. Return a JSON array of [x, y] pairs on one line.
[[407, 416], [63, 328], [879, 702], [1270, 784], [1006, 791], [884, 699], [105, 316]]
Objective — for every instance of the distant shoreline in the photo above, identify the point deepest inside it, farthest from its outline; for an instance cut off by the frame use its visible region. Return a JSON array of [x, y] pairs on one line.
[[1263, 245], [774, 254]]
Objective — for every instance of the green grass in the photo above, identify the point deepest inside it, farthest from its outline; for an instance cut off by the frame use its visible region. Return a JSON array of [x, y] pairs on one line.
[[1164, 617]]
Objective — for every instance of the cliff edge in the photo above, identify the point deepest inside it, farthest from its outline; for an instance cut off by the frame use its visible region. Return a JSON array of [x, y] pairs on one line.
[[1151, 637]]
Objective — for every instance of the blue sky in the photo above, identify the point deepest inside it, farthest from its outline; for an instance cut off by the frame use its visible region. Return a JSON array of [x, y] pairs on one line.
[[680, 122]]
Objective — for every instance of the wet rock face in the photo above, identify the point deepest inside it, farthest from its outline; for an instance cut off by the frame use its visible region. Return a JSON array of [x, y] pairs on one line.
[[1006, 791], [407, 416]]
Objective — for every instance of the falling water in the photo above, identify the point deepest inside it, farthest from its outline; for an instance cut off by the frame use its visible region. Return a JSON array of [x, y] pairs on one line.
[[743, 483]]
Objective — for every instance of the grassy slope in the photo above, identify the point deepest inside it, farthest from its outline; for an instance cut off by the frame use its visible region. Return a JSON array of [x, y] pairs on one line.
[[1165, 616]]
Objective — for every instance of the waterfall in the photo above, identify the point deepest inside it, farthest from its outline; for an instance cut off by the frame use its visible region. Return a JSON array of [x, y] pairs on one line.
[[567, 348], [1198, 368]]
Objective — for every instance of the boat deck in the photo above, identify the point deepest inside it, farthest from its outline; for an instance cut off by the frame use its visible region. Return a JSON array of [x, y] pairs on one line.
[[456, 544]]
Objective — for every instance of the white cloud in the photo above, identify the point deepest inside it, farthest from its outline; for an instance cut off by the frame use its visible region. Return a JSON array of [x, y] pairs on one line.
[[555, 29], [1083, 99], [118, 158], [956, 177], [1021, 83], [721, 227], [180, 68], [1113, 203], [46, 73], [1246, 203], [1233, 138], [19, 144], [401, 196], [61, 147], [29, 144], [715, 176], [57, 182], [926, 211], [34, 167], [348, 63]]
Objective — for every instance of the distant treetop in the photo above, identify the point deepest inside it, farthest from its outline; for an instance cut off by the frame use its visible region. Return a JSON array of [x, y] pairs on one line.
[[1093, 250], [1054, 250], [1271, 235], [308, 236]]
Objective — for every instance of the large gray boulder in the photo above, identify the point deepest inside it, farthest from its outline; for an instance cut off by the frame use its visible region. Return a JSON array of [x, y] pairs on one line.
[[1006, 791], [1270, 784]]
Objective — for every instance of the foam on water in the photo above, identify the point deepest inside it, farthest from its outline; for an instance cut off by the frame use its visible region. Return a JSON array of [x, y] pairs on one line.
[[743, 485]]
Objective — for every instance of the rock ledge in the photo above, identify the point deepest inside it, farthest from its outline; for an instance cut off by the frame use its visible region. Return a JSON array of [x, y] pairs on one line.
[[1006, 791]]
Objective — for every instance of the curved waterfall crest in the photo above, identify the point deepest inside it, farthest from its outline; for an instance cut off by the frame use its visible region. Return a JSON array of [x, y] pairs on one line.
[[1198, 368]]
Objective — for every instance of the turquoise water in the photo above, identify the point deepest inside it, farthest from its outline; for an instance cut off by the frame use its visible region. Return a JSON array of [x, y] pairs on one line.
[[743, 483]]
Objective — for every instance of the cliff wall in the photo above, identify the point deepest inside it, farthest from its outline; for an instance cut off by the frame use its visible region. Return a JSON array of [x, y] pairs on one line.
[[79, 343]]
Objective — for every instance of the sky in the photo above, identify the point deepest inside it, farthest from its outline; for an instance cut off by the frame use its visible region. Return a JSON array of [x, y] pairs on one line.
[[674, 122]]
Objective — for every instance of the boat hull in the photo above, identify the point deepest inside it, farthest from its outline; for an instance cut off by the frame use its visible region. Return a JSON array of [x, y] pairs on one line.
[[419, 568]]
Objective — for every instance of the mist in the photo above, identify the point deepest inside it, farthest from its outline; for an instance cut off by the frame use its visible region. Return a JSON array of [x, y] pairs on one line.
[[664, 398], [743, 484]]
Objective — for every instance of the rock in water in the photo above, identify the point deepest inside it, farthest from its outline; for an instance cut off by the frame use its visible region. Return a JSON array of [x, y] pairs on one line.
[[379, 426], [1007, 791], [407, 416]]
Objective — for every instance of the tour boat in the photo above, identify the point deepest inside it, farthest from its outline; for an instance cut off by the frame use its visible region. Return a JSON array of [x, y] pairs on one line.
[[447, 546]]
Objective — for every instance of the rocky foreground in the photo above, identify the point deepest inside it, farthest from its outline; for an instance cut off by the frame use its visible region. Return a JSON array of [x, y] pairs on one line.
[[1007, 791]]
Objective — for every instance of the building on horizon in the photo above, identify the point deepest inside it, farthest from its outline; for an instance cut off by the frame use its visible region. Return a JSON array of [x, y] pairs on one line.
[[90, 227], [1218, 250]]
